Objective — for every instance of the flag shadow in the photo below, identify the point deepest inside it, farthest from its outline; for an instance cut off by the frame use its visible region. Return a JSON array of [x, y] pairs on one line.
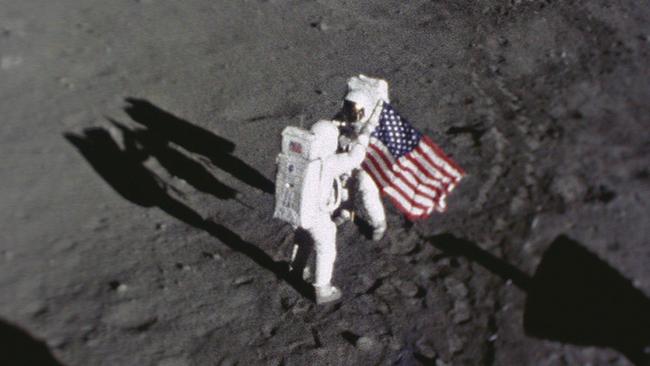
[[124, 171], [216, 149], [574, 297]]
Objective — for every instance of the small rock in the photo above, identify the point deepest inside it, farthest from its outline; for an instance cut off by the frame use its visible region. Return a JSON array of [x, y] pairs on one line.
[[425, 348], [117, 286], [131, 316], [570, 187], [268, 330], [456, 288], [320, 25], [287, 302], [500, 224], [386, 270], [442, 267], [519, 201], [385, 289], [9, 62], [36, 309], [365, 343], [242, 280], [395, 344], [121, 288], [425, 271], [383, 308], [300, 306], [402, 243], [66, 82], [456, 343], [214, 256], [415, 302], [461, 312], [409, 289], [58, 342], [182, 266]]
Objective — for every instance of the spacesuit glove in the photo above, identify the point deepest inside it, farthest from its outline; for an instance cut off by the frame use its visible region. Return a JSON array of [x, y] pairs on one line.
[[364, 139]]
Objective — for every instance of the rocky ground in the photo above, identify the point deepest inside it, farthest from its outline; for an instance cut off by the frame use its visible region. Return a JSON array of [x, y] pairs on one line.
[[138, 145]]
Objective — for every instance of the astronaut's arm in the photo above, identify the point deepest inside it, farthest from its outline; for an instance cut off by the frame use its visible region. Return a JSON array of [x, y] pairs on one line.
[[352, 159]]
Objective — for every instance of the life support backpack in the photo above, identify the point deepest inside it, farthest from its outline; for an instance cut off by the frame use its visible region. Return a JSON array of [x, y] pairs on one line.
[[298, 180]]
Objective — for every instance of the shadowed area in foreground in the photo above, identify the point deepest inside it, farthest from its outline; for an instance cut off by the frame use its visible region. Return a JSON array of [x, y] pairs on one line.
[[19, 348], [574, 297]]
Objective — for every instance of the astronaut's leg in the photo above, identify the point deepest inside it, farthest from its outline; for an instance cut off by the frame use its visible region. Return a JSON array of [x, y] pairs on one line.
[[372, 205], [324, 235], [302, 249]]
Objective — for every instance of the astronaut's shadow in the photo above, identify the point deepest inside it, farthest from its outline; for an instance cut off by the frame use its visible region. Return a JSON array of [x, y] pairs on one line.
[[573, 297], [125, 172], [218, 150]]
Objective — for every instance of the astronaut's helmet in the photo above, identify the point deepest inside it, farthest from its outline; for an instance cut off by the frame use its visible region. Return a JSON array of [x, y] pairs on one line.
[[351, 112], [327, 135], [357, 106], [364, 94]]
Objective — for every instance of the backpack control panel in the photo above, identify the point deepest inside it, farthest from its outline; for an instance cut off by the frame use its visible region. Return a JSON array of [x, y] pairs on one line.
[[297, 181]]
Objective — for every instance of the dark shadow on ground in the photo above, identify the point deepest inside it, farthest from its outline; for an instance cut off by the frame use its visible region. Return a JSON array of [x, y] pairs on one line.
[[124, 171], [19, 348], [217, 150], [574, 297], [176, 162]]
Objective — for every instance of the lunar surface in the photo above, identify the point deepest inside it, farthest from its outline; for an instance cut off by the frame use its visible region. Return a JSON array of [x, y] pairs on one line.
[[138, 144]]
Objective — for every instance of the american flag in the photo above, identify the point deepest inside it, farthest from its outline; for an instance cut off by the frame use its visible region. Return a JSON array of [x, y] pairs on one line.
[[408, 167]]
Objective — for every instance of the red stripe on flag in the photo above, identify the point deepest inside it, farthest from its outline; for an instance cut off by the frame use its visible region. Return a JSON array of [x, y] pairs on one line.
[[382, 174], [414, 173], [392, 194], [442, 155], [400, 163], [378, 153], [418, 164], [425, 156]]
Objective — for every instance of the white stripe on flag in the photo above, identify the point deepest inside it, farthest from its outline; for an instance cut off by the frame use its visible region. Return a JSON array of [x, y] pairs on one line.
[[406, 175], [401, 201], [440, 160], [437, 173], [405, 163], [409, 193]]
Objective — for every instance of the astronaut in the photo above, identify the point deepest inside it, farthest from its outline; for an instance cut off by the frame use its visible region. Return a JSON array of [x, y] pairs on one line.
[[361, 107], [324, 231]]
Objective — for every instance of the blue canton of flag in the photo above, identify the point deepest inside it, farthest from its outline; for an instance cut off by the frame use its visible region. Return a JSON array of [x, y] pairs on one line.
[[408, 167], [395, 132]]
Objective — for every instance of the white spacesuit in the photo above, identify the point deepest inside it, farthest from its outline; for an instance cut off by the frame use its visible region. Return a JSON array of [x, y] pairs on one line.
[[362, 107], [323, 231]]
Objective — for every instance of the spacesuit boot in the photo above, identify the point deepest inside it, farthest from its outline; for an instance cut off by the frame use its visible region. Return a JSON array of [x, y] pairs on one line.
[[327, 293]]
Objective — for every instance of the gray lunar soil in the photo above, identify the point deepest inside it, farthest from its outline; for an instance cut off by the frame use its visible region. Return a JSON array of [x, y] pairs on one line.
[[138, 143]]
